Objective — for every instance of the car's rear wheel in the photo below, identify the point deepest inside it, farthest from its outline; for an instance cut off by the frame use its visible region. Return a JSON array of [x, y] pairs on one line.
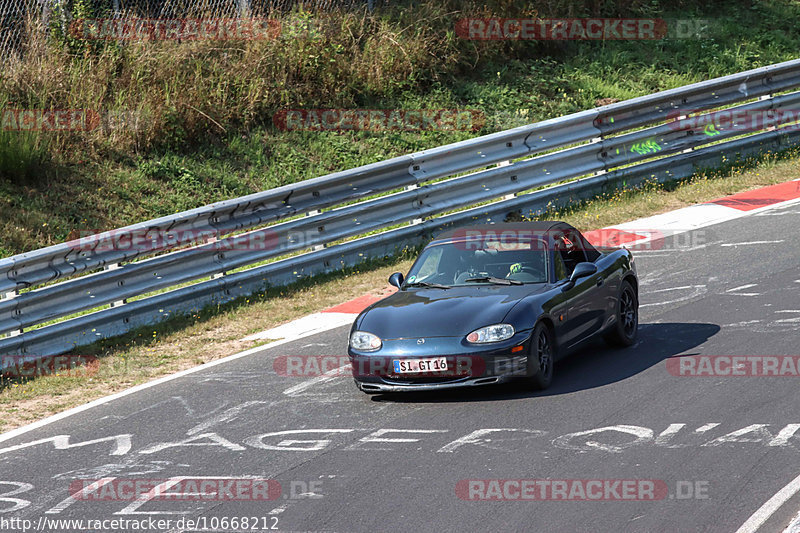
[[542, 351], [626, 327]]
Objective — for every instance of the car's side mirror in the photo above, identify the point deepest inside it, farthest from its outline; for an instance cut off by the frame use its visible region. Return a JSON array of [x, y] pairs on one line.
[[396, 279], [582, 270]]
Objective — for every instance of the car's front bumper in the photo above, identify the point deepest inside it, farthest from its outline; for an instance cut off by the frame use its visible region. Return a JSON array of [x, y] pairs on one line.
[[383, 385], [471, 366]]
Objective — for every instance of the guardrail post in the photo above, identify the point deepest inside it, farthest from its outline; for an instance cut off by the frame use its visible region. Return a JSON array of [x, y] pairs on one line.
[[411, 188], [116, 303], [322, 246], [506, 164], [10, 295]]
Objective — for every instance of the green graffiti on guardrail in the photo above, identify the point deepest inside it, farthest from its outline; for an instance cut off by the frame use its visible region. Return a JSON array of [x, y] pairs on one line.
[[646, 147]]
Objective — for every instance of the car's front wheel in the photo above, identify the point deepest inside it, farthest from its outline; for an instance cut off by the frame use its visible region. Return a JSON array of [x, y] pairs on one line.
[[626, 327], [542, 351]]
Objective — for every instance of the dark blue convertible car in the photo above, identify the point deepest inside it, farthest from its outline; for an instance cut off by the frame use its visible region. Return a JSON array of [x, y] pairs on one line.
[[488, 304]]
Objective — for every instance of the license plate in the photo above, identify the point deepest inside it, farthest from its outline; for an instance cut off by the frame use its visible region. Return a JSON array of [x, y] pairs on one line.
[[408, 366]]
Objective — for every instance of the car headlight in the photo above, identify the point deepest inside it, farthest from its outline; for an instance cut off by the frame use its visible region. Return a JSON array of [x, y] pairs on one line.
[[495, 333], [361, 340]]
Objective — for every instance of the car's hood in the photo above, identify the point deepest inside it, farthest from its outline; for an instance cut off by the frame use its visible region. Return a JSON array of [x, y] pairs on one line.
[[443, 313]]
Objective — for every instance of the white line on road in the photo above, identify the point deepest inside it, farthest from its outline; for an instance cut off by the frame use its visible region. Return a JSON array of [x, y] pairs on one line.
[[327, 376], [741, 324], [699, 289], [742, 287], [727, 244], [229, 414], [794, 525], [768, 509], [678, 288]]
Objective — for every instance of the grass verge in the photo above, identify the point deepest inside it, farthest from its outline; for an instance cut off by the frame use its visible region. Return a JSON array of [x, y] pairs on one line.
[[216, 332]]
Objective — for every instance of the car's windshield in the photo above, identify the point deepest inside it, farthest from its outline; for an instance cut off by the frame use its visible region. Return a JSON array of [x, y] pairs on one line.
[[459, 263]]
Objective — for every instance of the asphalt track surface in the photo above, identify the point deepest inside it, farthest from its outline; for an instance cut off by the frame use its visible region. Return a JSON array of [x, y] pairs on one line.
[[721, 446]]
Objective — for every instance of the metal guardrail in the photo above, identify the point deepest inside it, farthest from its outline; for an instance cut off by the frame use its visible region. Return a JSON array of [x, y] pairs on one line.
[[635, 140]]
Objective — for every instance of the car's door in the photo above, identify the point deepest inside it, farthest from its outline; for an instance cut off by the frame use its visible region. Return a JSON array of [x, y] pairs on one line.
[[584, 304], [608, 278]]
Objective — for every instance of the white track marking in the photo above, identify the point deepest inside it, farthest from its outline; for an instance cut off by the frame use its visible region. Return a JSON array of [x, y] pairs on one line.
[[706, 427], [72, 498], [768, 509], [313, 323], [789, 320], [742, 287], [106, 399], [777, 214], [676, 288], [233, 412], [741, 324], [794, 525], [728, 244], [327, 376], [698, 290]]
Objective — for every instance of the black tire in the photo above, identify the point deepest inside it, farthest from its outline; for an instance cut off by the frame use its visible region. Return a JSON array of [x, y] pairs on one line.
[[543, 351], [626, 327]]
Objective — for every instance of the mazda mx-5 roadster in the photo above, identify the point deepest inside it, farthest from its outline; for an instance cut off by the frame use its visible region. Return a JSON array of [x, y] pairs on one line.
[[494, 303]]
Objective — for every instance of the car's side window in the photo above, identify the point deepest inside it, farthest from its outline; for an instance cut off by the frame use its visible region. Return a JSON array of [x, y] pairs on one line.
[[570, 249]]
